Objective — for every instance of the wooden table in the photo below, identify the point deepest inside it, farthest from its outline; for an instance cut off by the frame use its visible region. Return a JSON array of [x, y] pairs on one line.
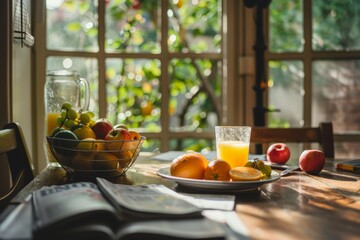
[[298, 206]]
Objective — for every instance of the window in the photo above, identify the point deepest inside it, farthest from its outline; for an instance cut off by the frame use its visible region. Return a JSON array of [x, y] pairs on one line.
[[314, 63], [155, 65]]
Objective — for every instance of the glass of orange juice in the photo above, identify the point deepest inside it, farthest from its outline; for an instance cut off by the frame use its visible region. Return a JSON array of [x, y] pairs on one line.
[[232, 144]]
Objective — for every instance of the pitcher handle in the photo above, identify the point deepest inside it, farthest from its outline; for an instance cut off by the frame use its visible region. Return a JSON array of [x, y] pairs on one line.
[[84, 83]]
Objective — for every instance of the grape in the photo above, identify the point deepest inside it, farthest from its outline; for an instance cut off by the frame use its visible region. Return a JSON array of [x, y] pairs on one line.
[[91, 114], [69, 123], [63, 115], [66, 106], [266, 170], [249, 164], [59, 121], [259, 164], [84, 118], [72, 115]]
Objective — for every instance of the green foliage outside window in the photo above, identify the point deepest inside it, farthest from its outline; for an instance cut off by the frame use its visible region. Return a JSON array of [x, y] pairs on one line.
[[134, 82]]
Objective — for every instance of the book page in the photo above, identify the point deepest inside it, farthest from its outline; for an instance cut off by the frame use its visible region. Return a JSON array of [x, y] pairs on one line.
[[203, 201], [146, 199], [57, 205]]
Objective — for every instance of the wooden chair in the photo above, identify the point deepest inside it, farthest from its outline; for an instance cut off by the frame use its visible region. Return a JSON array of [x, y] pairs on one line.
[[322, 135], [13, 149]]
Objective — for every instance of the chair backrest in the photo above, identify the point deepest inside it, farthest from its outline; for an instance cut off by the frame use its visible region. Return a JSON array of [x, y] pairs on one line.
[[14, 149], [322, 135]]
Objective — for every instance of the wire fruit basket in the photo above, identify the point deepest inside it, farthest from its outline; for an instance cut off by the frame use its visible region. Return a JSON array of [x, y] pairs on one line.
[[99, 158]]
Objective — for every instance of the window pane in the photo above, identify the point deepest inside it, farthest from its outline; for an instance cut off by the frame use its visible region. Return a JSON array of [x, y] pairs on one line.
[[286, 91], [191, 105], [133, 26], [336, 25], [151, 145], [87, 68], [133, 93], [72, 25], [187, 144], [286, 26], [336, 88], [336, 98], [194, 26]]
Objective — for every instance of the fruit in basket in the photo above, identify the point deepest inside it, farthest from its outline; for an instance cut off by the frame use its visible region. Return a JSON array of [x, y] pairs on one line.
[[245, 174], [64, 142], [124, 157], [312, 161], [84, 132], [105, 161], [55, 131], [120, 125], [278, 153], [121, 135], [91, 144], [82, 161], [71, 119], [135, 135], [102, 127], [217, 170], [189, 165]]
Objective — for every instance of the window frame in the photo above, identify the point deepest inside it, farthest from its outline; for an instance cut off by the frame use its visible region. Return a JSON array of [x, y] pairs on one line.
[[228, 56], [307, 56]]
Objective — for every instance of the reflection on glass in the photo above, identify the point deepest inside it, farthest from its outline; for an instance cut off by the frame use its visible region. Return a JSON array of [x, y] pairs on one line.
[[133, 26], [336, 25], [72, 25], [133, 93], [87, 68], [286, 26], [192, 105], [286, 91]]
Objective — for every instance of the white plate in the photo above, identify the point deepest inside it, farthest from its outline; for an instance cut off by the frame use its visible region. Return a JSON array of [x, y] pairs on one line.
[[211, 185]]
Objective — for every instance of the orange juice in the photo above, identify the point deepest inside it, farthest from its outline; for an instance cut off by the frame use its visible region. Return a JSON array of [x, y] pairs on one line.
[[51, 121], [234, 152]]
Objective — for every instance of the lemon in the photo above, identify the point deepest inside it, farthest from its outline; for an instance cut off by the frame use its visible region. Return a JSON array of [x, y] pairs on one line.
[[84, 132], [245, 174]]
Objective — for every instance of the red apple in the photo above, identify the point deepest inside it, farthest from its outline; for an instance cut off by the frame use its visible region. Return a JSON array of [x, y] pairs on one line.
[[101, 128], [312, 161], [122, 136], [121, 125], [278, 153]]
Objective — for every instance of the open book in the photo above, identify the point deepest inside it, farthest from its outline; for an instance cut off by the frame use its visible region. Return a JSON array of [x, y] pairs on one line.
[[114, 211]]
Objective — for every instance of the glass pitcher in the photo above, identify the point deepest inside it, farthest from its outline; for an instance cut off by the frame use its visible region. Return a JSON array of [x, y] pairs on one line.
[[63, 86]]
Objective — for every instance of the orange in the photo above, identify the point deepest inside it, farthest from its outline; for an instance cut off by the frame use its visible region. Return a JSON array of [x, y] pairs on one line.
[[218, 170], [245, 174], [189, 165], [105, 161], [82, 161]]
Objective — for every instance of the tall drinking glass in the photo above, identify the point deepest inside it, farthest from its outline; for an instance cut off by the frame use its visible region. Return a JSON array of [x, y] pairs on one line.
[[232, 144]]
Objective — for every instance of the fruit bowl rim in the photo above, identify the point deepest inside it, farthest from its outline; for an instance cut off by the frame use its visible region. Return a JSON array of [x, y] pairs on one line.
[[142, 138]]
